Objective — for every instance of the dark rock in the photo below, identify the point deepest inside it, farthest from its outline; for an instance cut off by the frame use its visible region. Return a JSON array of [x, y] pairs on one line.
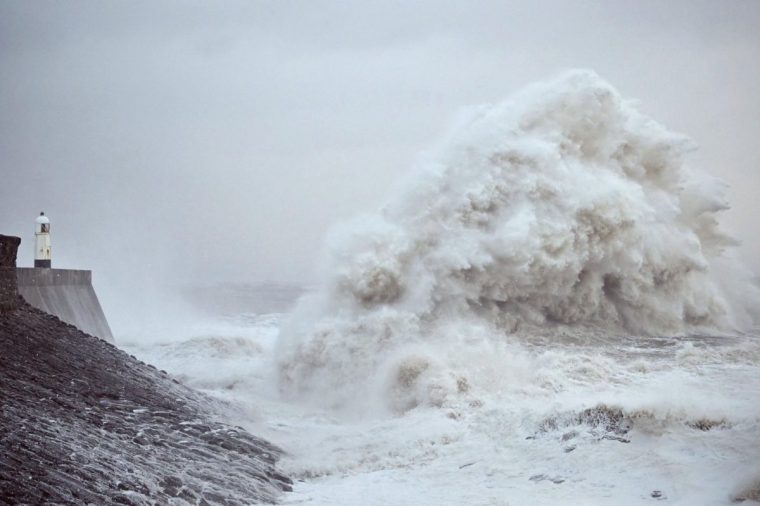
[[601, 422], [8, 250], [606, 418], [542, 477], [8, 284], [612, 437], [750, 491], [705, 424], [82, 422]]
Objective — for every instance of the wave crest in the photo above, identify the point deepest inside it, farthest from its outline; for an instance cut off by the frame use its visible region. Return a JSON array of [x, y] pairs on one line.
[[564, 206]]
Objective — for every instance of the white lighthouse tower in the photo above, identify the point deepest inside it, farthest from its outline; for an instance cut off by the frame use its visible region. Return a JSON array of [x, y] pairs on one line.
[[42, 241]]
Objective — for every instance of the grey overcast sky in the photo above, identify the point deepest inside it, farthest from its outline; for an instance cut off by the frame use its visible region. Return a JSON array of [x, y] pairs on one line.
[[197, 142]]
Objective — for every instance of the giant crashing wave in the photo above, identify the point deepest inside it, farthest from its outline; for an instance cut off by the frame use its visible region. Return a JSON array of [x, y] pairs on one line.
[[561, 208]]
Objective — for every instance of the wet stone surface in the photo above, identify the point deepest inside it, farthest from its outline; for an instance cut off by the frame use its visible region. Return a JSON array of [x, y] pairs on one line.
[[82, 422]]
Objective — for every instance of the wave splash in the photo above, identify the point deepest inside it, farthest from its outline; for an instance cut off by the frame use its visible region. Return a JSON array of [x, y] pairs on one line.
[[561, 208]]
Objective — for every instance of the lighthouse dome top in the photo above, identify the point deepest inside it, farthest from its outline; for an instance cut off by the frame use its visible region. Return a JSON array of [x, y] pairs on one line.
[[42, 219]]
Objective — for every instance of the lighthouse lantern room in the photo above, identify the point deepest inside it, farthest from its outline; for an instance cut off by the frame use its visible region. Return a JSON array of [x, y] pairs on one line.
[[42, 242]]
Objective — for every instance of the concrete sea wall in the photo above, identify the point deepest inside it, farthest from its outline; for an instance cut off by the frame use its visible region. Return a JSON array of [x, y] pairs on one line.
[[67, 294]]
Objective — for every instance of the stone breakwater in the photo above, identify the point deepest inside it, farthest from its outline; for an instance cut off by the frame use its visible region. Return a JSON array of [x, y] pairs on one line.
[[82, 422]]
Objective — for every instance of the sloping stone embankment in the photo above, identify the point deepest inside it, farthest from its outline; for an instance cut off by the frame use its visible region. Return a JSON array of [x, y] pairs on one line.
[[82, 422]]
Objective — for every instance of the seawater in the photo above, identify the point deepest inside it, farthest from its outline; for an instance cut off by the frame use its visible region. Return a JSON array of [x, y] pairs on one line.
[[587, 420]]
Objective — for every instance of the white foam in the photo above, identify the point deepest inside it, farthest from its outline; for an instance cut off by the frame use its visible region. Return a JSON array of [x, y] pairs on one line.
[[563, 210], [516, 435]]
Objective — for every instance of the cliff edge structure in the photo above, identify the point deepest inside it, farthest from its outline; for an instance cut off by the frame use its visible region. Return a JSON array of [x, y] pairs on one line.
[[82, 422], [8, 283]]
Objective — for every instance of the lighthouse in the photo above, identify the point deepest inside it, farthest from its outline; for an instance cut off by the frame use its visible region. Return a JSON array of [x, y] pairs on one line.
[[42, 241]]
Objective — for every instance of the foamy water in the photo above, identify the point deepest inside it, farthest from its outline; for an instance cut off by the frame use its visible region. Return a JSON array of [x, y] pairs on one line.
[[600, 421], [547, 312]]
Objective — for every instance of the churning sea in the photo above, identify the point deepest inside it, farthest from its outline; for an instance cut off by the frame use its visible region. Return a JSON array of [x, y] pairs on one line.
[[582, 419]]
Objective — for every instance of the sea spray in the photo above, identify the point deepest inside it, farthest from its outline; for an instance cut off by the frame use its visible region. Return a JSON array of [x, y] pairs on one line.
[[561, 210]]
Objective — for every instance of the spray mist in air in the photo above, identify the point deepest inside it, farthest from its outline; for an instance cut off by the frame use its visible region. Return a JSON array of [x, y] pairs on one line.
[[563, 209]]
